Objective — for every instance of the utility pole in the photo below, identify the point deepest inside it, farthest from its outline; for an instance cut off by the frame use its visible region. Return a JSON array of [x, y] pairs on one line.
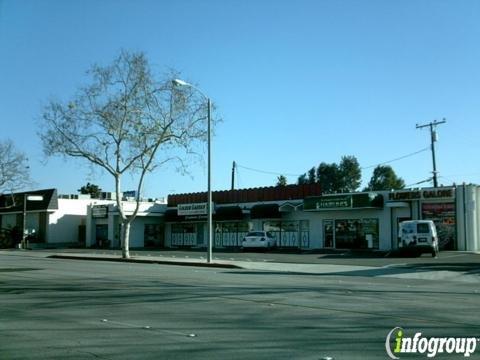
[[433, 138], [233, 175]]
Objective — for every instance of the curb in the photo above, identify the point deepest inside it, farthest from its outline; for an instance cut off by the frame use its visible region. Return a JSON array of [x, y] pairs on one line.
[[142, 261]]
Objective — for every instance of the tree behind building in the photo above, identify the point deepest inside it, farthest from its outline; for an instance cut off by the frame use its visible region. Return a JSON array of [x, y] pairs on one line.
[[281, 181], [90, 189], [384, 178]]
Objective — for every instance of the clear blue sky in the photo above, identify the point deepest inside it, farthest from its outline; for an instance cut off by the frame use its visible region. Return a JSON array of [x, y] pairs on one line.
[[296, 82]]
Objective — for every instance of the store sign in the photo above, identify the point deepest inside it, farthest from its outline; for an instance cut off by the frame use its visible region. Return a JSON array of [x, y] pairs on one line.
[[438, 208], [100, 211], [130, 194], [192, 209], [370, 200], [328, 202], [422, 194]]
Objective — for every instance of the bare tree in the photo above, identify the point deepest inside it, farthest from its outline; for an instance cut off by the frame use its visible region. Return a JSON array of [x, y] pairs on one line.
[[126, 121], [14, 170]]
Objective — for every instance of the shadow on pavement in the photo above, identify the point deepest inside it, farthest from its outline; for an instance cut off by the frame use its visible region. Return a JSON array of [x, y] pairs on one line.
[[395, 270]]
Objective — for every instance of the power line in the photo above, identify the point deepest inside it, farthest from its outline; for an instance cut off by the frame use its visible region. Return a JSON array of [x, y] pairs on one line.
[[266, 172], [362, 168], [396, 159], [239, 182], [418, 183]]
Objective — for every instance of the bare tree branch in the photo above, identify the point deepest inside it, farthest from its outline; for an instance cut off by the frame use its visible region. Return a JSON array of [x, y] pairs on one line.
[[126, 120], [14, 170]]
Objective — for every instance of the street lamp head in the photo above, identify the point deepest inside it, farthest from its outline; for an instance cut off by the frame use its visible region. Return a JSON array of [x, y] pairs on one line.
[[180, 82]]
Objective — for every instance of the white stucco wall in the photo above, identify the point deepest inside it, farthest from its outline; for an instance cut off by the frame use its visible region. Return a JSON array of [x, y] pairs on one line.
[[137, 231], [64, 223], [149, 213], [475, 243], [468, 217]]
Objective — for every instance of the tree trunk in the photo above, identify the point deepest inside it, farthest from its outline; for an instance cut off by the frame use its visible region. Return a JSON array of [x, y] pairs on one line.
[[126, 240], [125, 230]]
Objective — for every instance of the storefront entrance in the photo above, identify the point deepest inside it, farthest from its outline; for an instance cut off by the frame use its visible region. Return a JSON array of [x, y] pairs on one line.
[[351, 234], [101, 235], [153, 235], [328, 234]]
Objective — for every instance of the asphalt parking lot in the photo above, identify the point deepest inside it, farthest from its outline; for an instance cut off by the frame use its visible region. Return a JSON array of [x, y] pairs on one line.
[[74, 309]]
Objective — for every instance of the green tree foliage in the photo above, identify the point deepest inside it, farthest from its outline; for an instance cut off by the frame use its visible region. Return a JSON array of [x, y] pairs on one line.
[[302, 179], [311, 176], [328, 176], [343, 177], [384, 178], [90, 189], [281, 181], [350, 174]]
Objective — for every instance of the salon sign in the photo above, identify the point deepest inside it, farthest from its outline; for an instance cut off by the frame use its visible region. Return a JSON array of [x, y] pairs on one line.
[[192, 209]]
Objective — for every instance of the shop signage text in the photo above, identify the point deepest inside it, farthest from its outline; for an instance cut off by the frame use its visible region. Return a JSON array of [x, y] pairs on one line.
[[422, 194], [328, 202], [344, 202], [334, 202], [192, 209], [100, 211]]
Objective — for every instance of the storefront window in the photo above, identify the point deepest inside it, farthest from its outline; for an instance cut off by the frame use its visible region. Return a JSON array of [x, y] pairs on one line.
[[230, 233], [304, 234], [153, 235], [183, 235], [101, 235], [356, 233], [371, 233], [289, 233], [443, 215]]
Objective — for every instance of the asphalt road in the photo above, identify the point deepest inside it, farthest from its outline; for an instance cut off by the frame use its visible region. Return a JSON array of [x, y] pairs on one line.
[[74, 309]]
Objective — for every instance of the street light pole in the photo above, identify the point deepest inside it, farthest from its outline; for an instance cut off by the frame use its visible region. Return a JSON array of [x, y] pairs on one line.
[[209, 166], [24, 245]]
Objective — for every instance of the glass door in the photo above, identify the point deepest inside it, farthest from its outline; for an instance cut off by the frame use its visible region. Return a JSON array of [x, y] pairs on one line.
[[328, 234]]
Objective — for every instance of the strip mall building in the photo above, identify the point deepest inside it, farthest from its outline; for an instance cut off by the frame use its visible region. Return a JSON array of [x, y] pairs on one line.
[[300, 216]]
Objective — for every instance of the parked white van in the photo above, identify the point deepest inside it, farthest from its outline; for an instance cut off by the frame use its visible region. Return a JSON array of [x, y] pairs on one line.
[[418, 236]]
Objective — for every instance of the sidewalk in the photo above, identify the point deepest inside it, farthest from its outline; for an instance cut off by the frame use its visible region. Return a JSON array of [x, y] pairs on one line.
[[216, 263], [430, 270]]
